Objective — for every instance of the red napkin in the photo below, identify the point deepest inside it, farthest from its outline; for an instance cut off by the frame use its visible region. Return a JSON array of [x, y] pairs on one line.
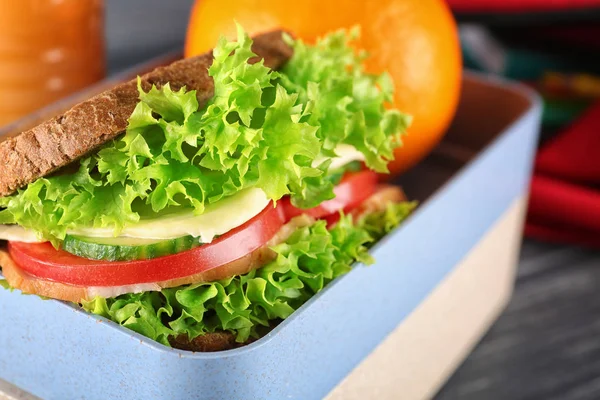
[[564, 202]]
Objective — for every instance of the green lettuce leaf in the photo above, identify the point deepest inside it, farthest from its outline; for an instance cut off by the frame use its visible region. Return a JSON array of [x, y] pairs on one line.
[[346, 104], [261, 129], [379, 224], [306, 262]]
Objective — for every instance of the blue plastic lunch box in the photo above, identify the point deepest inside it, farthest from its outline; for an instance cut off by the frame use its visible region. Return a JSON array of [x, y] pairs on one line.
[[54, 350]]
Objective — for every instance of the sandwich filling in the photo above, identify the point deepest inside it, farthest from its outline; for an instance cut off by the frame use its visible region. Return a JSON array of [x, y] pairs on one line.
[[225, 217]]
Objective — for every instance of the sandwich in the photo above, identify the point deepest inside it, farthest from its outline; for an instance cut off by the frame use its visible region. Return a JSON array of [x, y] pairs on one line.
[[207, 200]]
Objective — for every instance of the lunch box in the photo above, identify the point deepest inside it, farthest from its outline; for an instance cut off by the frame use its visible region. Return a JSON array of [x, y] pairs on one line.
[[393, 330]]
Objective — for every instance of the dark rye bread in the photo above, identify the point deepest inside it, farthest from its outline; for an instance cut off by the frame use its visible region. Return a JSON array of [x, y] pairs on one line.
[[215, 341], [85, 127]]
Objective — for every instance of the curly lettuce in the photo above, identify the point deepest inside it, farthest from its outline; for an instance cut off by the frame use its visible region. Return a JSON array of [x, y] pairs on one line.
[[306, 262], [261, 129], [345, 104]]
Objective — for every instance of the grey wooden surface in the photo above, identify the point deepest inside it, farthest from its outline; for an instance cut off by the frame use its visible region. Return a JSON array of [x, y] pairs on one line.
[[546, 345]]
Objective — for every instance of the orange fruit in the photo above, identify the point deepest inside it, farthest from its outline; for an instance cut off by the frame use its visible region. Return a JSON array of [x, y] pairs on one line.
[[416, 41]]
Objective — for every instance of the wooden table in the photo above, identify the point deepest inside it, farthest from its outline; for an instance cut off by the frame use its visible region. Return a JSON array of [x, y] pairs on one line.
[[546, 345]]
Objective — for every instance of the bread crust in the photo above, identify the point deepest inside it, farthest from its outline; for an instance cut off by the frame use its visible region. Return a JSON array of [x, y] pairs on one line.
[[216, 341], [79, 131]]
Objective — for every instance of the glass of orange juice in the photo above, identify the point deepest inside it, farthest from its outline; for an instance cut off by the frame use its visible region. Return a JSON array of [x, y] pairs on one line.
[[48, 50]]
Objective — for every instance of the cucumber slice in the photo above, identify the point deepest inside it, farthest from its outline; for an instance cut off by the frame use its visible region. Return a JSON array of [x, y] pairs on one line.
[[126, 249]]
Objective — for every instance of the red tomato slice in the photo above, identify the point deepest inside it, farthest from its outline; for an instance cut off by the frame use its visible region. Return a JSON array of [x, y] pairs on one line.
[[43, 261], [354, 188]]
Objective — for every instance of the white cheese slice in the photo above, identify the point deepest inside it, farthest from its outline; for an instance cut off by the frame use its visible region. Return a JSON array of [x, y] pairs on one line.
[[346, 154], [16, 233], [217, 219]]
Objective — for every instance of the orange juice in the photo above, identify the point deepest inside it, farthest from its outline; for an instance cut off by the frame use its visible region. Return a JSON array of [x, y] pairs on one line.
[[48, 50]]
